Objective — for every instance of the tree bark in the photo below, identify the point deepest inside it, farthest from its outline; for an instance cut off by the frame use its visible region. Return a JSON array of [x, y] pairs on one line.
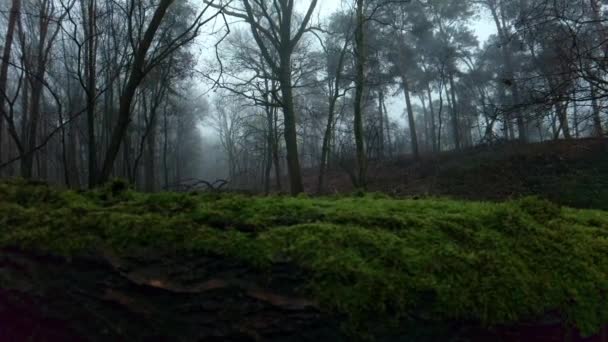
[[575, 118], [427, 131], [103, 297], [291, 139], [410, 116], [91, 90], [275, 150], [598, 130], [268, 150], [270, 137], [73, 156], [455, 119], [389, 139], [27, 163], [36, 81], [360, 51], [433, 129], [150, 168], [165, 149], [325, 149], [6, 55], [596, 7], [562, 116], [381, 148]]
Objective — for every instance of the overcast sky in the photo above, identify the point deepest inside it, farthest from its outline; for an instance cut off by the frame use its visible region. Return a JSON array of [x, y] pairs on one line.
[[482, 26]]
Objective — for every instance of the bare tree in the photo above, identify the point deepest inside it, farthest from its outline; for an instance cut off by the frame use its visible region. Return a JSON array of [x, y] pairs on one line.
[[277, 35], [141, 65], [334, 88]]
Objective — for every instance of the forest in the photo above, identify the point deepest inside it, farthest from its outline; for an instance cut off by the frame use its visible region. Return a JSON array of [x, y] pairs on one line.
[[297, 170]]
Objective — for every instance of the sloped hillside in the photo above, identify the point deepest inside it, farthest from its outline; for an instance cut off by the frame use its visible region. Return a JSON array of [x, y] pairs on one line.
[[573, 173]]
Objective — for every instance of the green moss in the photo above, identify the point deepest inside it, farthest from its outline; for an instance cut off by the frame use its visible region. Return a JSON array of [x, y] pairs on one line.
[[371, 259]]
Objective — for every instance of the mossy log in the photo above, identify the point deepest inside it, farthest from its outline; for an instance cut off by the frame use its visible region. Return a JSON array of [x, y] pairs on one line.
[[113, 264], [50, 298]]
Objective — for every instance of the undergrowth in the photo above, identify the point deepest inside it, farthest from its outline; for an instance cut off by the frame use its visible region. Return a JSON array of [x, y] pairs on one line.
[[370, 258]]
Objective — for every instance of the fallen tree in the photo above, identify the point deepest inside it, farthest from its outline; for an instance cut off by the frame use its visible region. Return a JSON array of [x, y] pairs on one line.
[[116, 264]]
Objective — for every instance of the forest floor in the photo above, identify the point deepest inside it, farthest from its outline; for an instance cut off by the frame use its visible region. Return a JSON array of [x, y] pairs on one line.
[[402, 263], [573, 173]]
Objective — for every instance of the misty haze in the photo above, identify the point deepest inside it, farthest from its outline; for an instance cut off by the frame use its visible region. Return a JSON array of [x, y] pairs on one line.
[[304, 170]]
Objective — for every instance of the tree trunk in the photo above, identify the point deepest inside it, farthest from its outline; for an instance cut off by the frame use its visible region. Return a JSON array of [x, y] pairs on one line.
[[454, 105], [334, 87], [508, 124], [291, 138], [381, 148], [22, 142], [165, 149], [150, 168], [389, 139], [43, 155], [275, 150], [359, 88], [125, 169], [155, 297], [6, 55], [36, 80], [410, 116], [27, 164], [522, 128], [326, 145], [575, 117], [72, 158], [325, 149], [107, 298], [427, 133], [554, 129], [598, 130], [562, 116], [268, 149], [432, 118], [91, 91], [596, 7]]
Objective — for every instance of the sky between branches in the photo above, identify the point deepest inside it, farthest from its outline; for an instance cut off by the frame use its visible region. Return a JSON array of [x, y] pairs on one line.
[[481, 25]]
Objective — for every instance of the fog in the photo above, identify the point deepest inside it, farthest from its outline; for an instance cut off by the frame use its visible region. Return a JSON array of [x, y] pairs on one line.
[[168, 93]]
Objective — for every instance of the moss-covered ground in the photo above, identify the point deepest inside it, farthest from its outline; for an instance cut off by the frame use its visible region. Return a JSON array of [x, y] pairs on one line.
[[370, 258]]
